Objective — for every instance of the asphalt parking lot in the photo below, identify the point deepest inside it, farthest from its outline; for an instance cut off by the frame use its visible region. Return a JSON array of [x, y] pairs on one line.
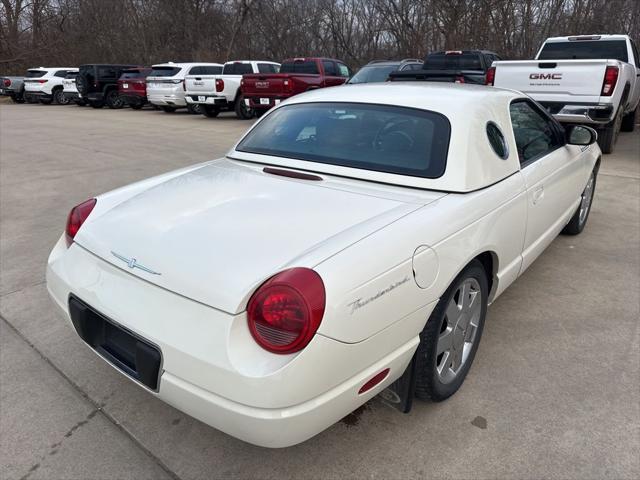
[[554, 391]]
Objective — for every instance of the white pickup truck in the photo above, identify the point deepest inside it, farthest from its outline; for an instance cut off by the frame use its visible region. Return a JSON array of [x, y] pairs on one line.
[[587, 79], [222, 92]]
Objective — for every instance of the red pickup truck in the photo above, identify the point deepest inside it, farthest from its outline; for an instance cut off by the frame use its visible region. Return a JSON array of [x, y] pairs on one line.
[[262, 91]]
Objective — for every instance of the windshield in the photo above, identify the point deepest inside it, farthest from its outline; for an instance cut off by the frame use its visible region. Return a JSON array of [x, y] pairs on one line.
[[300, 66], [585, 50], [442, 61], [35, 73], [373, 73], [164, 71], [382, 138]]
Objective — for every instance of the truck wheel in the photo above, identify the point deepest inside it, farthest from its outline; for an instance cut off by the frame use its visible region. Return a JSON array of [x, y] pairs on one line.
[[113, 100], [629, 121], [168, 109], [59, 98], [451, 336], [242, 111], [194, 109], [210, 111], [607, 136]]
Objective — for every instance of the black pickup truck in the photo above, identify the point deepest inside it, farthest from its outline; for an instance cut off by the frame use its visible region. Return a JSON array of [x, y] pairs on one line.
[[459, 66]]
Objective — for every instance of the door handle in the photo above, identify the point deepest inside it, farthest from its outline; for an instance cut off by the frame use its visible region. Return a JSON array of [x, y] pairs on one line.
[[538, 193]]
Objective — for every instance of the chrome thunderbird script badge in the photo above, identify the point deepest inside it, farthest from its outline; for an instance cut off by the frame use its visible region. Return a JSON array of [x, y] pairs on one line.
[[133, 263]]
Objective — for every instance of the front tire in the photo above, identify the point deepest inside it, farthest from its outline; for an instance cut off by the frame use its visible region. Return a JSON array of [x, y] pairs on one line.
[[579, 219], [449, 341], [242, 111], [629, 121], [210, 111]]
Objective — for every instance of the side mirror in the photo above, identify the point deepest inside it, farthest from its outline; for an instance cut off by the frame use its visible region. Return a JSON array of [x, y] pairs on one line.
[[581, 135]]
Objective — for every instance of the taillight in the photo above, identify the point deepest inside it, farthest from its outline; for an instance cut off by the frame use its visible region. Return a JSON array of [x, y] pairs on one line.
[[7, 82], [610, 80], [285, 312], [219, 85], [491, 76], [288, 85], [459, 79], [77, 216], [42, 81]]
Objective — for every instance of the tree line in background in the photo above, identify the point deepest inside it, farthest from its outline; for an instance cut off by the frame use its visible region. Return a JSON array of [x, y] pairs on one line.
[[72, 32]]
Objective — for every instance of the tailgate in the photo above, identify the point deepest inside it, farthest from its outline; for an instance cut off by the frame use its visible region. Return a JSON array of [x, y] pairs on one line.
[[200, 84], [257, 84], [575, 78]]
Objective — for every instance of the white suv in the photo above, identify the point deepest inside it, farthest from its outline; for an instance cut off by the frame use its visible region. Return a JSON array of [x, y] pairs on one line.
[[165, 83], [45, 84]]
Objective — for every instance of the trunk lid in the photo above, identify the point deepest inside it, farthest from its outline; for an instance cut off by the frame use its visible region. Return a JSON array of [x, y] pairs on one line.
[[217, 232]]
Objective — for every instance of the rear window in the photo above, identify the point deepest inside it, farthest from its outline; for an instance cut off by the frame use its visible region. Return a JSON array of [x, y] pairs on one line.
[[442, 61], [268, 68], [237, 69], [300, 66], [164, 71], [35, 73], [585, 50], [205, 70], [131, 74], [373, 73], [381, 138]]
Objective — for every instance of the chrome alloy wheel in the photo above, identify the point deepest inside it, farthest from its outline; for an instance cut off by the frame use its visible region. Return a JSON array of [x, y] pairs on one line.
[[587, 197], [459, 330]]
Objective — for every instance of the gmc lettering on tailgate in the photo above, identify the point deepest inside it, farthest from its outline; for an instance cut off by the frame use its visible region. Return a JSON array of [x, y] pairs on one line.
[[545, 76]]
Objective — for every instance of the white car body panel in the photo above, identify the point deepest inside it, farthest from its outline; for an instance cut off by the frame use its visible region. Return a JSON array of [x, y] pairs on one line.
[[386, 252], [34, 86], [163, 91]]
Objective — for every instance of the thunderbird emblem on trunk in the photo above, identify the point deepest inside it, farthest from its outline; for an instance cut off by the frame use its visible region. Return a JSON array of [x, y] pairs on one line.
[[133, 263]]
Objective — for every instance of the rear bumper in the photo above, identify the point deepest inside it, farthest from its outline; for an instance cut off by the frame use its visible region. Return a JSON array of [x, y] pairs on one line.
[[171, 100], [214, 371], [37, 95], [583, 113], [215, 100]]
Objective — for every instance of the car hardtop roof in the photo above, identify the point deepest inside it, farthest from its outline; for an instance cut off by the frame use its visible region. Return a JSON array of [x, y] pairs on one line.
[[593, 37], [472, 164]]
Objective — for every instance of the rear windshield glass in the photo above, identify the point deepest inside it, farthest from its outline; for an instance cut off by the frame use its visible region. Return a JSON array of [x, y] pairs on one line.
[[35, 73], [441, 61], [237, 69], [300, 66], [585, 50], [164, 71], [382, 138], [371, 74], [128, 74]]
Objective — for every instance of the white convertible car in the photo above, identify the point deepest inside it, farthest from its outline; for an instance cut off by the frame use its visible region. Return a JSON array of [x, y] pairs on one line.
[[350, 241]]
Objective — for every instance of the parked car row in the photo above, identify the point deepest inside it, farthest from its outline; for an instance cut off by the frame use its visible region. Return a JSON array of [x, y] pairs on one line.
[[589, 79]]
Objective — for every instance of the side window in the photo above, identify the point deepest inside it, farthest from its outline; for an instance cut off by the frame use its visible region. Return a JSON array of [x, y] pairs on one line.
[[106, 72], [535, 134], [60, 73], [343, 70], [329, 68], [496, 140], [211, 70], [267, 68]]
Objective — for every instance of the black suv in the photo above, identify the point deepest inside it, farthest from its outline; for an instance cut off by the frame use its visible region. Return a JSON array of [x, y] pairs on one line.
[[98, 84], [460, 66], [379, 70]]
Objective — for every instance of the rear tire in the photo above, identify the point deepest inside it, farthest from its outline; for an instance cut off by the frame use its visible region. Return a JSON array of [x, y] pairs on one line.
[[168, 109], [113, 100], [449, 341], [194, 109], [629, 121], [579, 219], [210, 111], [607, 137], [59, 98], [242, 111]]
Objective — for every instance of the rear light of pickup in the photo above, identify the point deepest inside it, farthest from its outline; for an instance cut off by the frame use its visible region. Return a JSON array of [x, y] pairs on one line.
[[288, 85], [610, 80], [490, 78], [220, 84], [6, 82]]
